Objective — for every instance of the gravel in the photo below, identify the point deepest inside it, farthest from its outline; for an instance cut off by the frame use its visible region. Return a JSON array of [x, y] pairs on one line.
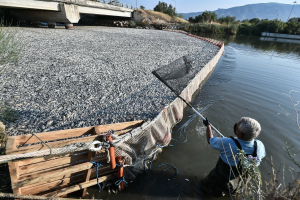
[[92, 75]]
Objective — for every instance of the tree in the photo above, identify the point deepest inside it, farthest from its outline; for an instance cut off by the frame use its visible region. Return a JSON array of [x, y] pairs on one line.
[[246, 21], [199, 18], [142, 7], [180, 15], [209, 16], [165, 8], [228, 19], [206, 16], [276, 26], [293, 26], [191, 20], [254, 21]]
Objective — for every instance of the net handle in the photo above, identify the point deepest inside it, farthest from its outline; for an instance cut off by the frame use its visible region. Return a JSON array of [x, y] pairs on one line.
[[187, 103]]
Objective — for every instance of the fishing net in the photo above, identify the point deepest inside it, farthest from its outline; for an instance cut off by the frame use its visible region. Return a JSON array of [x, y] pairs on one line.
[[142, 145], [179, 73]]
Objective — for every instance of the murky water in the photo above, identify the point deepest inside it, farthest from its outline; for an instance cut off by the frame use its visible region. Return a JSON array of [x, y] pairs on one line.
[[251, 79]]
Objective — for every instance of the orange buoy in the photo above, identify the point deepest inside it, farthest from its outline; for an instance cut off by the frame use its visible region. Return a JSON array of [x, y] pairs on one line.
[[111, 153]]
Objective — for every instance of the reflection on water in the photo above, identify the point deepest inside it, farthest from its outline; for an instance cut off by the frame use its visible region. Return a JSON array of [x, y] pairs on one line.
[[249, 80], [257, 44]]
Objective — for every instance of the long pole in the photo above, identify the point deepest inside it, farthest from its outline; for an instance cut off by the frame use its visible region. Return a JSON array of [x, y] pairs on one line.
[[291, 10], [166, 84]]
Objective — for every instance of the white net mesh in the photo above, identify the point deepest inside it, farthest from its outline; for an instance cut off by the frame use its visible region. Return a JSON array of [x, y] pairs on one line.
[[140, 144]]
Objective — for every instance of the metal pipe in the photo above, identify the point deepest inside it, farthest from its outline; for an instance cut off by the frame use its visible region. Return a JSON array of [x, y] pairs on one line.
[[111, 153]]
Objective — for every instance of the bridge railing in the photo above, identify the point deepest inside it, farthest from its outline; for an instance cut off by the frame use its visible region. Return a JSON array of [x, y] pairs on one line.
[[116, 3]]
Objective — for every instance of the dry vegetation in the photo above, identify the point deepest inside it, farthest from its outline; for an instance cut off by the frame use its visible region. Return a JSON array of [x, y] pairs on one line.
[[154, 17]]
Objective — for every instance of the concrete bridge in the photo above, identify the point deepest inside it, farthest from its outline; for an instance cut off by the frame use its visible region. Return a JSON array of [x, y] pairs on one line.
[[64, 11]]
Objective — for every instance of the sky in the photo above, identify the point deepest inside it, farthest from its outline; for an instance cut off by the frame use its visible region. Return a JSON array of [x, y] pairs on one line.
[[187, 6]]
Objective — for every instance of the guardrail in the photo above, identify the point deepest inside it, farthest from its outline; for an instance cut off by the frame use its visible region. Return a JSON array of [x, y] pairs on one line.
[[116, 3]]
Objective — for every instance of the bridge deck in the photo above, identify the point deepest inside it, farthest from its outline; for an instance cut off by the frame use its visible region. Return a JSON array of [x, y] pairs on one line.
[[67, 11]]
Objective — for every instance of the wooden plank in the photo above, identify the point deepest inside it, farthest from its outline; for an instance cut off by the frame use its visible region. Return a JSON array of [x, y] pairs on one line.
[[58, 144], [48, 158], [58, 184], [38, 175], [87, 173], [61, 182], [51, 164], [117, 132], [31, 179], [78, 186], [17, 191], [47, 185], [13, 170], [49, 136], [55, 163], [10, 144], [70, 133], [119, 126]]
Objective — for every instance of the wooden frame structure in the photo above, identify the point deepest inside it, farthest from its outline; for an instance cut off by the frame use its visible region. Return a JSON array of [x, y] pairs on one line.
[[59, 175]]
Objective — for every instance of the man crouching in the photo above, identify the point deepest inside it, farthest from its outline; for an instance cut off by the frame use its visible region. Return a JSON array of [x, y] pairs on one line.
[[218, 182]]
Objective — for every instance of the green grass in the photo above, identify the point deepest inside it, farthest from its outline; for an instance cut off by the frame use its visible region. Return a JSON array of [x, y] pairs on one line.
[[212, 28]]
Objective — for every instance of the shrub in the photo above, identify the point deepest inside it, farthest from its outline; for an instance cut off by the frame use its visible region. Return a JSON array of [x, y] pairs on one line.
[[10, 49], [245, 29]]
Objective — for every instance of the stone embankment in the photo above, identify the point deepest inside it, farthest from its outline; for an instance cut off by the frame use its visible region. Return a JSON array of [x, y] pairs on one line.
[[93, 75]]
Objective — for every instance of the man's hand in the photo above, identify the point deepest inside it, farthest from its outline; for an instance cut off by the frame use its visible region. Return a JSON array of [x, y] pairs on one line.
[[208, 130], [206, 122]]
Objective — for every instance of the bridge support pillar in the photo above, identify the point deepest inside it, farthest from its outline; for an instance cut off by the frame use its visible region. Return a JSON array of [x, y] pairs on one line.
[[68, 13], [22, 22], [37, 24], [69, 26], [51, 24]]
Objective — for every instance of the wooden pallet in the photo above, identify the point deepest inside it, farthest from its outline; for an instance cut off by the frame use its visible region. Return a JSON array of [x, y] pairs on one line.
[[58, 175]]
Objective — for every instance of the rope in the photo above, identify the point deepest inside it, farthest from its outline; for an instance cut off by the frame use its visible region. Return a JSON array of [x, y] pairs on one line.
[[56, 151], [97, 165], [118, 182], [171, 166], [182, 130], [183, 127], [19, 196]]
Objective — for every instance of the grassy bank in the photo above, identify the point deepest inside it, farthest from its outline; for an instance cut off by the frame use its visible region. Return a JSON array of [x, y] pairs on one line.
[[212, 28], [251, 28], [154, 17]]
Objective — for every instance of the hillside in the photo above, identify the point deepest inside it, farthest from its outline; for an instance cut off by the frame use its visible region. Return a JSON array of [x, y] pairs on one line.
[[261, 11], [159, 18]]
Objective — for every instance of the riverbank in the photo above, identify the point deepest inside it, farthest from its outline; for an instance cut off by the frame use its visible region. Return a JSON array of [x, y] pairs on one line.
[[247, 27], [94, 75]]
